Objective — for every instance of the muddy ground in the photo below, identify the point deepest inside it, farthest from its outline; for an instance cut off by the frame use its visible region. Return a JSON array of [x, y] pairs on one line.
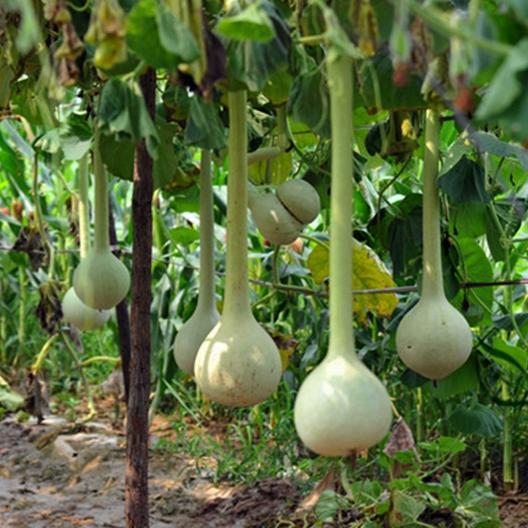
[[59, 475]]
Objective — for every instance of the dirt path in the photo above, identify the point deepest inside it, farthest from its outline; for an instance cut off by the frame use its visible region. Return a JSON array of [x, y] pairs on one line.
[[56, 475]]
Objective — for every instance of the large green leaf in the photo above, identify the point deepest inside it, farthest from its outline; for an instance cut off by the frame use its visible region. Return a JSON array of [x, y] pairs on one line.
[[464, 379], [204, 128], [123, 111], [252, 23], [251, 62], [477, 419], [175, 36], [464, 183], [143, 35]]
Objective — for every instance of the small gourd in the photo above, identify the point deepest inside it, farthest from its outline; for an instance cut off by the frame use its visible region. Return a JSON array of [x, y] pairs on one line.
[[101, 280], [74, 311], [342, 407], [300, 199], [238, 364], [433, 338], [192, 334], [273, 220]]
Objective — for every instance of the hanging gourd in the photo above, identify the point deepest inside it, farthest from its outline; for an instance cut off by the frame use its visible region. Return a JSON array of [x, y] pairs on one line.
[[238, 364], [101, 280], [341, 407], [433, 339], [205, 317], [281, 216], [74, 311]]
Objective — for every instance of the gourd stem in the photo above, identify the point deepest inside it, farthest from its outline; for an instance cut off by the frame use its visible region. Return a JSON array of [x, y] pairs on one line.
[[101, 242], [340, 87], [432, 281], [84, 236], [236, 293], [206, 297]]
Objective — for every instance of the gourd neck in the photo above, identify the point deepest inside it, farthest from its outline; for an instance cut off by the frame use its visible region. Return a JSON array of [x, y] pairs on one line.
[[206, 294], [101, 241], [236, 300], [432, 280], [84, 230], [341, 329]]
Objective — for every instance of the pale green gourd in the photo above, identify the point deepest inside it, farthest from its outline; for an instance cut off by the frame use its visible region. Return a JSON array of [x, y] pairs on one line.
[[341, 407], [238, 364], [101, 280], [205, 317], [272, 219], [300, 199], [434, 338], [74, 311]]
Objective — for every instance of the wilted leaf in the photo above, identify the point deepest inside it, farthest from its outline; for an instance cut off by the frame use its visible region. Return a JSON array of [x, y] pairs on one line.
[[368, 272], [401, 439]]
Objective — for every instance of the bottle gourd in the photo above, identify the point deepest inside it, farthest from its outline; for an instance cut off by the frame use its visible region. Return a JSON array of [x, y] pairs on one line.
[[281, 216], [433, 338], [238, 364], [101, 280], [205, 317], [74, 311], [341, 407]]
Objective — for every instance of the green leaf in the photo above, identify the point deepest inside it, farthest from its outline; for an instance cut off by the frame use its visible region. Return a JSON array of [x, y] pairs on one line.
[[327, 506], [10, 400], [507, 84], [175, 36], [252, 63], [143, 36], [252, 23], [487, 142], [478, 505], [309, 102], [123, 111], [476, 268], [510, 357], [118, 155], [184, 235], [469, 219], [204, 128], [477, 419], [444, 444], [464, 183], [464, 379], [405, 509]]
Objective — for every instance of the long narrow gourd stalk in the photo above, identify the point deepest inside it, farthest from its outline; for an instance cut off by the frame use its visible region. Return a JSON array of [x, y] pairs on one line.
[[341, 407], [101, 280], [74, 311], [433, 339], [238, 364], [205, 317]]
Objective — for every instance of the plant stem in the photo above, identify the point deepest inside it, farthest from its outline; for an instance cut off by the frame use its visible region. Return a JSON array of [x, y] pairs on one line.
[[507, 451], [206, 293], [101, 242], [22, 296], [236, 291], [420, 415], [340, 87], [432, 281], [84, 230]]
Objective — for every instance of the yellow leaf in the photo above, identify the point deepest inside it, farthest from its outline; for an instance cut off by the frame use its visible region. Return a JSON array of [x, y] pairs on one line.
[[368, 272]]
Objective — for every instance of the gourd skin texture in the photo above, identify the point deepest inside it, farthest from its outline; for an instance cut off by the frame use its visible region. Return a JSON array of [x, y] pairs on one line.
[[238, 364], [195, 330], [342, 408], [76, 313], [300, 199], [191, 335], [101, 280], [273, 220], [434, 339]]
